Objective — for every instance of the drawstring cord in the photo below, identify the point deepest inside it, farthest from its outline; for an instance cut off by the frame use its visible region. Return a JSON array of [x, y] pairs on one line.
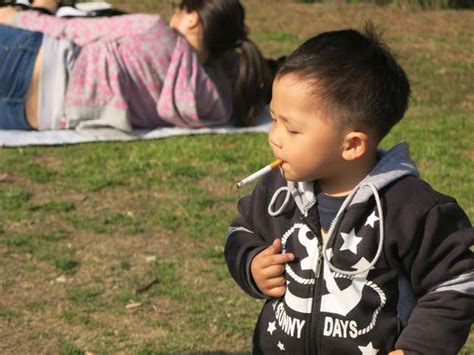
[[339, 273], [277, 193], [330, 234]]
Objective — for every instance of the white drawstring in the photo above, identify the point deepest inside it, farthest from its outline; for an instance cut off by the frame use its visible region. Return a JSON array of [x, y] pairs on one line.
[[330, 234], [277, 193], [339, 273]]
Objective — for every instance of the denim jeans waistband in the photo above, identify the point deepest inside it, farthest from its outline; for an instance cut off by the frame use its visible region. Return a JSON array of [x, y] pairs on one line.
[[18, 51]]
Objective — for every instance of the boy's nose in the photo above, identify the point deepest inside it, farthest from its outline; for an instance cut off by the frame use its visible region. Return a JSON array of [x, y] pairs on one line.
[[274, 139]]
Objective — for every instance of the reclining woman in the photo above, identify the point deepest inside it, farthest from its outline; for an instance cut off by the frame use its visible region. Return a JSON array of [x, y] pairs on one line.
[[131, 70]]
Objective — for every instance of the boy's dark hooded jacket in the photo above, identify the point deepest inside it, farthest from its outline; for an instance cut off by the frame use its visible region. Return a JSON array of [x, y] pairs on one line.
[[394, 271]]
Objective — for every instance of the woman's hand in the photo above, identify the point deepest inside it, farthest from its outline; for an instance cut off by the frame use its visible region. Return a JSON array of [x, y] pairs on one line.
[[6, 15]]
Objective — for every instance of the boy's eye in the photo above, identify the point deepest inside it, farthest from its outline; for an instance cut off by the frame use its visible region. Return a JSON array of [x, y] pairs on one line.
[[290, 131]]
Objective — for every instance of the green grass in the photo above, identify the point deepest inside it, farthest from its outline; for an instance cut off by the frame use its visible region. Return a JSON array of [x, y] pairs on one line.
[[70, 349], [118, 247]]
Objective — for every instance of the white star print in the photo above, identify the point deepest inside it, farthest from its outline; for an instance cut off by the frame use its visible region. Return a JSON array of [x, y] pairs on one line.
[[371, 220], [281, 346], [350, 241], [271, 327], [368, 349]]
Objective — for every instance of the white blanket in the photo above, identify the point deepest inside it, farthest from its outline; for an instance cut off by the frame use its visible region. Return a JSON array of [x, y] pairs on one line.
[[17, 138]]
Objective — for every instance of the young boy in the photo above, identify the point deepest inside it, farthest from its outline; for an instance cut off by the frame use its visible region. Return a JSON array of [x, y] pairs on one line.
[[353, 251]]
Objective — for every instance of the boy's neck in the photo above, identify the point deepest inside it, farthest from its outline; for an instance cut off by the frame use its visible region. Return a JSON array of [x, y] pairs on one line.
[[350, 176]]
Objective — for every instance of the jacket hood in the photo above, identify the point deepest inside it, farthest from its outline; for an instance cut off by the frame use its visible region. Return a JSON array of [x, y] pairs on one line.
[[392, 165]]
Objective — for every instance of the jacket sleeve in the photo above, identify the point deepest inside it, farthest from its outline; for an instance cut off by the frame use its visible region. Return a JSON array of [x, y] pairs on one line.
[[242, 244], [84, 30], [441, 270]]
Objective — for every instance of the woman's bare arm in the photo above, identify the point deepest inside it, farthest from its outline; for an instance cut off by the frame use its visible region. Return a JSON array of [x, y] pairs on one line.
[[50, 5]]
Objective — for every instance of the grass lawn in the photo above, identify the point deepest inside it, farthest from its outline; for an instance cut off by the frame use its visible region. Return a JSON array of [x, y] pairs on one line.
[[117, 247]]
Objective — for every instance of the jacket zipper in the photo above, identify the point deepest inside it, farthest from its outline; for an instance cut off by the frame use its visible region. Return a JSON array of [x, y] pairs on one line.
[[313, 340]]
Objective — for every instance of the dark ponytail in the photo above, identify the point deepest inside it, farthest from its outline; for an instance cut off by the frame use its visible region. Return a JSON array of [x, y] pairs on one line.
[[223, 26], [253, 85]]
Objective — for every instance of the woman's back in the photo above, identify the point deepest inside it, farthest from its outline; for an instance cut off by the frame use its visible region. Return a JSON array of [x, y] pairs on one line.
[[133, 69]]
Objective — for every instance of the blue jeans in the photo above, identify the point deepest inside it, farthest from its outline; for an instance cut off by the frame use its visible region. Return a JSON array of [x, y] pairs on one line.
[[18, 51]]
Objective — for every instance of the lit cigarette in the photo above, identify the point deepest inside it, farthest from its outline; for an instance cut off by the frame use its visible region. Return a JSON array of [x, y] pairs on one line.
[[259, 173]]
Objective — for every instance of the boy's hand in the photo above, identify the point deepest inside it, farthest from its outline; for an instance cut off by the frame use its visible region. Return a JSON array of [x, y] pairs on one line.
[[267, 270]]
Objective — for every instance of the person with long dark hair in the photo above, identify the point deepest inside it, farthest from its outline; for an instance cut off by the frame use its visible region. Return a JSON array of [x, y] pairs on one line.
[[131, 71]]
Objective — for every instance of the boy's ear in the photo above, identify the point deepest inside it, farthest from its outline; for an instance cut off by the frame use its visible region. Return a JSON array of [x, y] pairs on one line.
[[355, 145]]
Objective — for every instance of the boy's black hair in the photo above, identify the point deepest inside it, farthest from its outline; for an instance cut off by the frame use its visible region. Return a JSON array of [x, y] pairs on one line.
[[355, 75]]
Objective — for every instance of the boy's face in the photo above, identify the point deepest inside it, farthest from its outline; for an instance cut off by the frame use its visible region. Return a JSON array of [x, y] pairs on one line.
[[310, 145]]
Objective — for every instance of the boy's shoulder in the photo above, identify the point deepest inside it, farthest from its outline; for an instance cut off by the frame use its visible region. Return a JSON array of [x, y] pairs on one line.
[[265, 189], [411, 196], [414, 188], [404, 191], [271, 182]]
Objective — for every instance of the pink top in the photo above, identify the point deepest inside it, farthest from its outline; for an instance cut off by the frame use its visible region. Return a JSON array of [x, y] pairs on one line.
[[134, 68]]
